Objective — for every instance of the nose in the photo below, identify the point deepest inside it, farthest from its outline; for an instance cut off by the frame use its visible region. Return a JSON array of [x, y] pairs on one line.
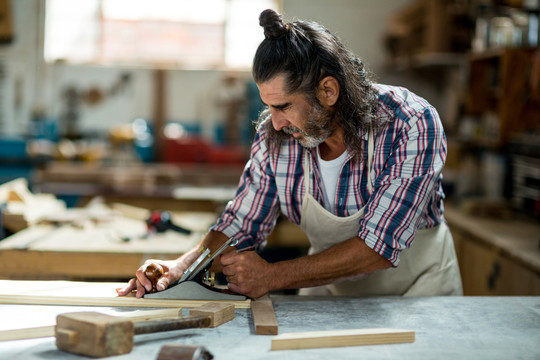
[[278, 120]]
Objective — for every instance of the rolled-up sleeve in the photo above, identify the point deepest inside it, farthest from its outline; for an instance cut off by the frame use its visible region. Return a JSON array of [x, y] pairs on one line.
[[251, 216], [404, 183]]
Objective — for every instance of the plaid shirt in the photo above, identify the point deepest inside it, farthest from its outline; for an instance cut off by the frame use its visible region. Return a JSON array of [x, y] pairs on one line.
[[408, 159]]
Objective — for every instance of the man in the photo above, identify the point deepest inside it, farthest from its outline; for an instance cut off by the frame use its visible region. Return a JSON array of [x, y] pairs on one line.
[[357, 165]]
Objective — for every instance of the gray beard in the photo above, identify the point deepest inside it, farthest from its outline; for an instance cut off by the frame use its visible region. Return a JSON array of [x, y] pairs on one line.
[[318, 127]]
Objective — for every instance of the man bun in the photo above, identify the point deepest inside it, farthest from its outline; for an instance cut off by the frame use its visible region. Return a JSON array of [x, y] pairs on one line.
[[272, 22]]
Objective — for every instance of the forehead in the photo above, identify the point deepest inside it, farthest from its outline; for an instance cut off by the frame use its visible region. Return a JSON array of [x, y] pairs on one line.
[[273, 90]]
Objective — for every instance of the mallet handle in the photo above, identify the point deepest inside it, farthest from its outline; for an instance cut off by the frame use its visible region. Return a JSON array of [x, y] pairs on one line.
[[152, 326]]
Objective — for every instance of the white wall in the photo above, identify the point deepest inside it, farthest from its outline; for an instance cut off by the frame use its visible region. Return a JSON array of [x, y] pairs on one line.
[[359, 23], [18, 84]]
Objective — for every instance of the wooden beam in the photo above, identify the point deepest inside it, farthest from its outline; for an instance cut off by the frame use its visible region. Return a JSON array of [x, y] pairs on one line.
[[128, 301], [337, 338], [86, 294], [219, 312], [264, 317]]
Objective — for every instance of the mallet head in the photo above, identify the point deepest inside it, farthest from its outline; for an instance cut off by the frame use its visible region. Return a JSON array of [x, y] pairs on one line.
[[94, 334]]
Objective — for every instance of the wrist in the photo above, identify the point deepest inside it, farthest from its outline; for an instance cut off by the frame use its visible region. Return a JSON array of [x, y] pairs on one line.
[[275, 277]]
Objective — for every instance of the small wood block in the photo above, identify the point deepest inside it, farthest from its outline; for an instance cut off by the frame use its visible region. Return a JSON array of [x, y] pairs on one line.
[[337, 338], [219, 312], [94, 334], [264, 317]]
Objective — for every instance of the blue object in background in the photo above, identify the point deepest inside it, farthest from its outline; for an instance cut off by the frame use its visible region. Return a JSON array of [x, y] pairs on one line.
[[12, 148], [14, 161], [44, 128], [144, 139]]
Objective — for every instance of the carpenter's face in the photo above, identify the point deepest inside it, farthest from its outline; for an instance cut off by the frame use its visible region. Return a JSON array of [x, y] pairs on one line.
[[308, 122]]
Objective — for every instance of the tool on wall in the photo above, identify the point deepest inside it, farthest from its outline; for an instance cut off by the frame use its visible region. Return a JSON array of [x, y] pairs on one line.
[[197, 281]]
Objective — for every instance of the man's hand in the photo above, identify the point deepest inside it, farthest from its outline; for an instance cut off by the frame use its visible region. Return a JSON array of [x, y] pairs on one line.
[[172, 271], [247, 273]]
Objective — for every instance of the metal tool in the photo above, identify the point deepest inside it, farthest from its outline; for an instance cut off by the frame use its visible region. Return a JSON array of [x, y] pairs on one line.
[[160, 221], [192, 284]]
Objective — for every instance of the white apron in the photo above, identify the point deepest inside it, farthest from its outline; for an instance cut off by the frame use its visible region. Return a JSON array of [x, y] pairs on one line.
[[428, 268]]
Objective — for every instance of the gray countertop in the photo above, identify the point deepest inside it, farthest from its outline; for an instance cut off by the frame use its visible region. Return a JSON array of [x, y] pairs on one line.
[[446, 328]]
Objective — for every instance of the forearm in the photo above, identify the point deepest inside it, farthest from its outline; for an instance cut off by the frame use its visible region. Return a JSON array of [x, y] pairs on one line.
[[347, 259], [213, 241]]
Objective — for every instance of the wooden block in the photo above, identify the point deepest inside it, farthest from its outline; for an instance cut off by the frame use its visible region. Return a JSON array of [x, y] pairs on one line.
[[337, 338], [264, 317], [219, 312]]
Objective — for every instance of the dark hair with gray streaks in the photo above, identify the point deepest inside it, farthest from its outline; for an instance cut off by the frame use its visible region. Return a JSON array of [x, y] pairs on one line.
[[305, 53]]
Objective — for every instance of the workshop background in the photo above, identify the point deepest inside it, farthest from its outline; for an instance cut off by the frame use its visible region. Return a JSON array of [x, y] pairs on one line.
[[145, 109]]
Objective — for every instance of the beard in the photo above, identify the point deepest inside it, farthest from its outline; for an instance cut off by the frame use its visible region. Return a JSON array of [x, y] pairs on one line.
[[319, 126]]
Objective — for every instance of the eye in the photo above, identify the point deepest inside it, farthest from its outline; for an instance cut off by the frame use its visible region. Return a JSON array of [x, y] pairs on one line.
[[284, 107]]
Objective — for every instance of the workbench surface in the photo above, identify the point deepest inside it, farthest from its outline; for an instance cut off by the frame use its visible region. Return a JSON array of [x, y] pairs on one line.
[[446, 328]]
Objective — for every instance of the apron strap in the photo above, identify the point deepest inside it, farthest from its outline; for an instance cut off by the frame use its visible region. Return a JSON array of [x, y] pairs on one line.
[[371, 145], [307, 171]]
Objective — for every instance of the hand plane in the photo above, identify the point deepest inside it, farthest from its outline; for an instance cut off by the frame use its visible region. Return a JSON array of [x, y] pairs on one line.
[[196, 282]]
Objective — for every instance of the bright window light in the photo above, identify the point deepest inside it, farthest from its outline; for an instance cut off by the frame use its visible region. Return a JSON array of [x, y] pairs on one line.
[[176, 33]]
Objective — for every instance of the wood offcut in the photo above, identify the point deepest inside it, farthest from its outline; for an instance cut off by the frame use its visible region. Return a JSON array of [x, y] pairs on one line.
[[219, 312], [337, 338], [264, 317]]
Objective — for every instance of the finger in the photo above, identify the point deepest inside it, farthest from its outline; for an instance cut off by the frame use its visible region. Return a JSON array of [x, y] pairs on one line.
[[229, 258], [234, 288], [130, 286], [163, 283], [228, 270], [142, 279], [140, 290]]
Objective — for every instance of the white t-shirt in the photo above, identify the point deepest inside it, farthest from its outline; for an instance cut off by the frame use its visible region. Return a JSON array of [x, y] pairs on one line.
[[330, 173]]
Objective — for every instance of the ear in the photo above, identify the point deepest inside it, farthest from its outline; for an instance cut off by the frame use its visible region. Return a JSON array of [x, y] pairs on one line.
[[328, 91]]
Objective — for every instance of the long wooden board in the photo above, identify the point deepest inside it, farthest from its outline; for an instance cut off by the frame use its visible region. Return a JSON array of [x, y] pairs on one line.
[[86, 294], [46, 331], [337, 338], [264, 316]]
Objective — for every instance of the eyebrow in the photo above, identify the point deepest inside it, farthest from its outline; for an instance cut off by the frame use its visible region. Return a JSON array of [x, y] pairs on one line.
[[279, 106]]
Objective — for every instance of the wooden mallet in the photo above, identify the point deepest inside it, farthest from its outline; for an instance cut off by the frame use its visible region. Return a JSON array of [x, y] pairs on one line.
[[99, 335]]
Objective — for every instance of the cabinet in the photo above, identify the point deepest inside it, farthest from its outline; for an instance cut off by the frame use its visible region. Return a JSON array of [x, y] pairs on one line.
[[484, 271], [504, 91], [496, 257]]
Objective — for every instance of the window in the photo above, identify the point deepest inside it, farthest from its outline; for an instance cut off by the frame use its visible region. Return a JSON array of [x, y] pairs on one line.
[[171, 33]]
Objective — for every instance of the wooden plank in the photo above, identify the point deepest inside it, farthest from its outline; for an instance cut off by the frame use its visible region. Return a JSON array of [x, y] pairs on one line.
[[86, 294], [219, 312], [264, 317], [46, 331], [127, 301], [337, 338]]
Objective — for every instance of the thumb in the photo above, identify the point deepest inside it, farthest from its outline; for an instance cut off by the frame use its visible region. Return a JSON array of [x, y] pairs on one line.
[[163, 282]]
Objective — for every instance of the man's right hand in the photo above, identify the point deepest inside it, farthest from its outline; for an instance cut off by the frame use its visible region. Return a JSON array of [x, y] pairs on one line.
[[172, 271]]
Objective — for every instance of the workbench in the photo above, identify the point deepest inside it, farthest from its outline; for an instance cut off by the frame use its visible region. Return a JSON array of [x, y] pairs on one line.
[[445, 327], [108, 250]]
